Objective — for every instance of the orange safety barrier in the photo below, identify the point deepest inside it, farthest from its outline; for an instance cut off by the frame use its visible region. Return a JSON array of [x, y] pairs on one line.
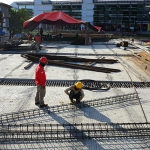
[[38, 38]]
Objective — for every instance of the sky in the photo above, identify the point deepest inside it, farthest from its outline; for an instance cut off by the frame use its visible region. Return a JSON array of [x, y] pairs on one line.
[[11, 1]]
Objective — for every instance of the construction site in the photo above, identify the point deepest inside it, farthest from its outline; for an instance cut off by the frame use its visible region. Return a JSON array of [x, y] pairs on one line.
[[114, 114]]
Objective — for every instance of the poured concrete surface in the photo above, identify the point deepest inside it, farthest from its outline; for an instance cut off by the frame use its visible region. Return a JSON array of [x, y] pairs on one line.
[[18, 98]]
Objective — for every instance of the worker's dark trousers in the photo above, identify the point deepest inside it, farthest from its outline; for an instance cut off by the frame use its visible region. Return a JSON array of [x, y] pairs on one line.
[[40, 94], [75, 96]]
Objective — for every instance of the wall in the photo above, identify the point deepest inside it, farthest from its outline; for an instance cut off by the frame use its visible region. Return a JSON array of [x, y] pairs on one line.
[[39, 8], [87, 11]]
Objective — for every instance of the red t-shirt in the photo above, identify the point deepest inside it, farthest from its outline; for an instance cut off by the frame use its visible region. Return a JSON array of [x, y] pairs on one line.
[[40, 76]]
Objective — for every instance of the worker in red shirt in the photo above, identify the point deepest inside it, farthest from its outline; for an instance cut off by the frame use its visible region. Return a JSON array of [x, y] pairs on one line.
[[40, 80]]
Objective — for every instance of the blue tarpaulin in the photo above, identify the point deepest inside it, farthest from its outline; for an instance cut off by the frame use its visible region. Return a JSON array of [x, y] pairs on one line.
[[1, 32]]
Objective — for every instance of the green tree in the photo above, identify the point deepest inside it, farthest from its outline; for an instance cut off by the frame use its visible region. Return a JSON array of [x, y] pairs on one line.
[[17, 17]]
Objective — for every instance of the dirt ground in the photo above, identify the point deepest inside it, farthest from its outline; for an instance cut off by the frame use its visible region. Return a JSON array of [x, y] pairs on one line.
[[142, 59], [144, 56]]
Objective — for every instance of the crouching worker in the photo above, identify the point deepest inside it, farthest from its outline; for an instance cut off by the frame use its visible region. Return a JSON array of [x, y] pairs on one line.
[[40, 80], [76, 92]]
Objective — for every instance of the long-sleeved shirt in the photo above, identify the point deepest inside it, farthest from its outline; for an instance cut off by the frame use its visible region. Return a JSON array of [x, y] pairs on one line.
[[40, 76]]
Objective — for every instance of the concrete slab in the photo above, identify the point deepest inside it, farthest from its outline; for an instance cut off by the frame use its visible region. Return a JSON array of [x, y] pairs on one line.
[[21, 98]]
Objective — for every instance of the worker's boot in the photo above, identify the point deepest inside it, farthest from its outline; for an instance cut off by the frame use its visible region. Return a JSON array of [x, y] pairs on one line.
[[77, 101], [72, 101], [44, 105]]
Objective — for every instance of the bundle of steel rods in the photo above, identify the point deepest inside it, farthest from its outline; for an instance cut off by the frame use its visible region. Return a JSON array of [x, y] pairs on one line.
[[52, 61]]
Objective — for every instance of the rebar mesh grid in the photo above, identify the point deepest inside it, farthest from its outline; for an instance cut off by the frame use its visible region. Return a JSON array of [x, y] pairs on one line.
[[12, 117], [35, 132], [87, 84]]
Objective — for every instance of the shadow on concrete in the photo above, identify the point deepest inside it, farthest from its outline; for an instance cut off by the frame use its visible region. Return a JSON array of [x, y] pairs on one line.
[[92, 113], [89, 113], [84, 141]]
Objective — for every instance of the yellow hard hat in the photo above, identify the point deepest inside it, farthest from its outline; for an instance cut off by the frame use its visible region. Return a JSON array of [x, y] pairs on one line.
[[78, 85]]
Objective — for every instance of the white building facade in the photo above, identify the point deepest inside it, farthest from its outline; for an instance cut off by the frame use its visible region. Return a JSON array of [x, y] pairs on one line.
[[84, 7], [109, 14]]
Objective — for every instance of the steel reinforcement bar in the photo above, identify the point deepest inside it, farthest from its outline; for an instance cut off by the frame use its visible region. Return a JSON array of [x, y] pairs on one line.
[[85, 54], [25, 51], [69, 65], [87, 84], [72, 59], [29, 114], [36, 132]]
